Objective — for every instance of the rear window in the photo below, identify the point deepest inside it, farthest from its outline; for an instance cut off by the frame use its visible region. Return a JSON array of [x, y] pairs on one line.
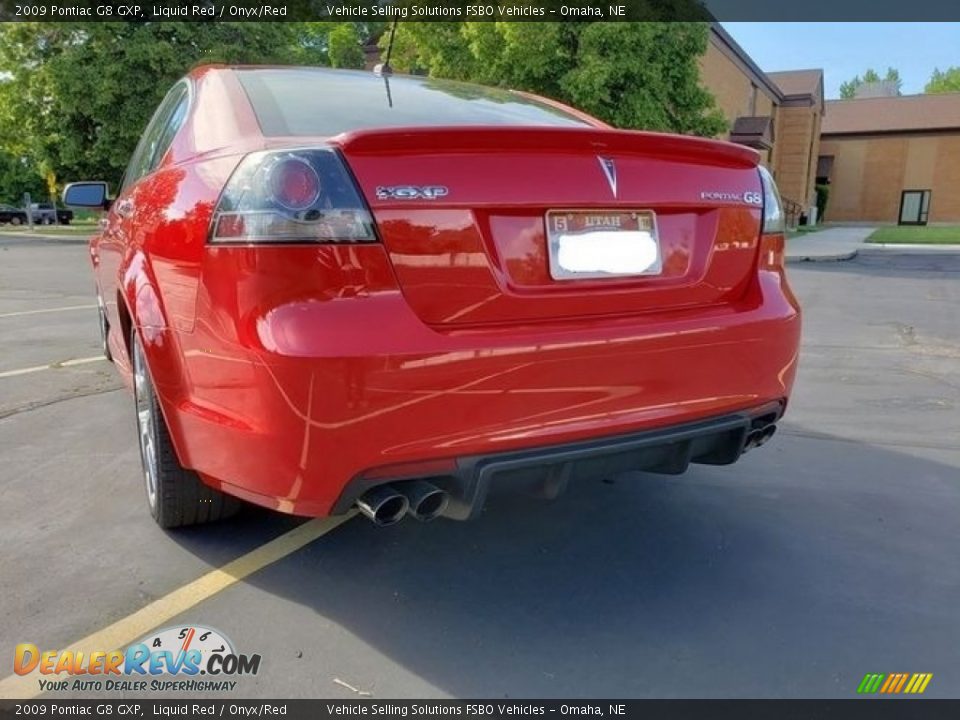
[[308, 101]]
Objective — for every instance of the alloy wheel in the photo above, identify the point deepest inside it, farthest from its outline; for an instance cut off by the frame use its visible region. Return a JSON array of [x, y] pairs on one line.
[[145, 423]]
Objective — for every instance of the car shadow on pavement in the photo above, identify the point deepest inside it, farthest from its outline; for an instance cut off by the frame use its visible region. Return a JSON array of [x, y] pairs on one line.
[[787, 574]]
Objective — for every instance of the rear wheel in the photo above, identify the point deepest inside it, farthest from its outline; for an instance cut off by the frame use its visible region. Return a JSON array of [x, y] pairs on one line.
[[15, 220], [176, 496]]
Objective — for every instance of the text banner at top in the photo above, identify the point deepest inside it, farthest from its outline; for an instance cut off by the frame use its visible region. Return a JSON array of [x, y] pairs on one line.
[[477, 10]]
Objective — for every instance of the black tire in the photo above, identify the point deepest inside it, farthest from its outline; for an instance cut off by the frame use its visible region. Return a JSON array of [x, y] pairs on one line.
[[15, 220], [179, 498], [104, 329]]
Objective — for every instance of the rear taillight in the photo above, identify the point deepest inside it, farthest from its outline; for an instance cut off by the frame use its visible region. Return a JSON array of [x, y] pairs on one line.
[[772, 236], [773, 219], [292, 196]]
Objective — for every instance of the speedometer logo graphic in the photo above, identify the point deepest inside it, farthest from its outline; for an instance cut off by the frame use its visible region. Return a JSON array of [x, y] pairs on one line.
[[192, 639]]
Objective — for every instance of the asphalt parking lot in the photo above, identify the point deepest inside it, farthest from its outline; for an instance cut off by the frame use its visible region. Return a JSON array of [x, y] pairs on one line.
[[830, 553]]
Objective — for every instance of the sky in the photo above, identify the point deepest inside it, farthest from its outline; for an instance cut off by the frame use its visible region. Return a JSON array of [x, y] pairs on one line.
[[845, 50]]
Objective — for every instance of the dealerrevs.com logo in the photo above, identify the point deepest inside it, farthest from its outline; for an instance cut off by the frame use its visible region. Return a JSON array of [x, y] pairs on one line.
[[193, 658]]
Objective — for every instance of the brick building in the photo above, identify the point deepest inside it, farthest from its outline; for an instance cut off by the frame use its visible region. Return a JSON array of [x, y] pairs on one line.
[[892, 159], [885, 159], [779, 114]]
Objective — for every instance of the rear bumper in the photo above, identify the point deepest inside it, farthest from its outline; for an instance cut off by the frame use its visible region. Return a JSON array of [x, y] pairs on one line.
[[547, 471], [292, 406]]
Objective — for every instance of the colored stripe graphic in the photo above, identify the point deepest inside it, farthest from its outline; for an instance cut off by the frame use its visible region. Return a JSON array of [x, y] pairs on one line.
[[890, 683], [918, 683], [894, 683], [870, 683]]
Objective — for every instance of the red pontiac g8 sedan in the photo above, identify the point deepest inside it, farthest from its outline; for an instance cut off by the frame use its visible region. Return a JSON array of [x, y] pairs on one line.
[[330, 289]]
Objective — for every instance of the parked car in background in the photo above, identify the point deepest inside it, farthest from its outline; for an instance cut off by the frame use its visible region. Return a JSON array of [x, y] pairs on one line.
[[12, 216], [342, 297], [50, 214]]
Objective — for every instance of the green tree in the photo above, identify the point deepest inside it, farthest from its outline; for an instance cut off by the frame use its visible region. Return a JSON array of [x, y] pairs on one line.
[[944, 81], [312, 42], [630, 74], [653, 86], [78, 95], [344, 46], [18, 176], [532, 56], [437, 48], [848, 89]]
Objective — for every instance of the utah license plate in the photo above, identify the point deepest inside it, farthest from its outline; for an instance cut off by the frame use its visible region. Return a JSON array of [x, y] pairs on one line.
[[586, 244]]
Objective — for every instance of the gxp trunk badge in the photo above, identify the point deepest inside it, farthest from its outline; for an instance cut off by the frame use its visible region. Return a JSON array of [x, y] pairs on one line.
[[411, 192], [610, 170]]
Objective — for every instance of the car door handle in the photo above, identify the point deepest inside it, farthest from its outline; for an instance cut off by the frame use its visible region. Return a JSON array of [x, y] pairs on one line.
[[124, 208]]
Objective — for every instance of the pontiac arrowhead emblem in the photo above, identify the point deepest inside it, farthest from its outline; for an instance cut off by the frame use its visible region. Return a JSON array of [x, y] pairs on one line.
[[610, 170]]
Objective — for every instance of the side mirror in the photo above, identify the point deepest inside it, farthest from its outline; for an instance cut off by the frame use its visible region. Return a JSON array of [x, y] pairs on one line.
[[86, 195]]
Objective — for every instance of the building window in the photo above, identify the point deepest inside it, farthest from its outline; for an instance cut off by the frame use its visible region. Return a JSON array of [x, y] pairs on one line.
[[824, 169], [914, 207]]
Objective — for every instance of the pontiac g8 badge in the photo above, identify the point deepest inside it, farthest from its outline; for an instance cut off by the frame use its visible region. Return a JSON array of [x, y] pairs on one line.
[[749, 197]]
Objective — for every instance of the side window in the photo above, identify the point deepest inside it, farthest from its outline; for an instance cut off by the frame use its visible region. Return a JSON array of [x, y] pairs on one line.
[[169, 131], [159, 134]]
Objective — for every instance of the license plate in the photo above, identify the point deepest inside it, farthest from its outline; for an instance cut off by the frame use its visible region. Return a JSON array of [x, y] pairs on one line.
[[586, 244]]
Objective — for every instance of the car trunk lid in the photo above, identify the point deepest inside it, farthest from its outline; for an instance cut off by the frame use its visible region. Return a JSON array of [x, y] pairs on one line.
[[472, 218]]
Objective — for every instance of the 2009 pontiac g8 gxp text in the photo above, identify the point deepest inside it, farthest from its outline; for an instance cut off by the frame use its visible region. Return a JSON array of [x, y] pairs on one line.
[[330, 289]]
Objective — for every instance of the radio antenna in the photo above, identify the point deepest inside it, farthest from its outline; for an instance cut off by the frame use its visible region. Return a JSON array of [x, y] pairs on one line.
[[384, 67]]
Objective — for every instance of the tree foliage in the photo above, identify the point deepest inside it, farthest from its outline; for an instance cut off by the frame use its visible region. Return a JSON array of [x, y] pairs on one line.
[[80, 94], [333, 43], [75, 97], [18, 176], [630, 74], [345, 49], [944, 81], [848, 89]]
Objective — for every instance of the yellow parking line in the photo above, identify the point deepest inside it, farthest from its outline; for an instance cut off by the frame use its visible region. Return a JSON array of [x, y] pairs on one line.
[[51, 366], [48, 310], [135, 626]]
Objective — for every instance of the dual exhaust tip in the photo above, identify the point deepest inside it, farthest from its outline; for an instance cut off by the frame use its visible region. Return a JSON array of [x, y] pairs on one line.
[[387, 504], [758, 437]]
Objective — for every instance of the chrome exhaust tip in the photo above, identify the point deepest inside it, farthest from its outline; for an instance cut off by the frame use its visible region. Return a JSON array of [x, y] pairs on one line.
[[758, 437], [765, 435], [383, 505], [425, 500]]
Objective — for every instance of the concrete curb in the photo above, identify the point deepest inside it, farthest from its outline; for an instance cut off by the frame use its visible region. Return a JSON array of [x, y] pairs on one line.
[[828, 257], [910, 248], [48, 238]]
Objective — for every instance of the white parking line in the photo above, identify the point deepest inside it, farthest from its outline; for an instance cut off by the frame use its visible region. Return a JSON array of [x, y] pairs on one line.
[[48, 310], [51, 366]]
